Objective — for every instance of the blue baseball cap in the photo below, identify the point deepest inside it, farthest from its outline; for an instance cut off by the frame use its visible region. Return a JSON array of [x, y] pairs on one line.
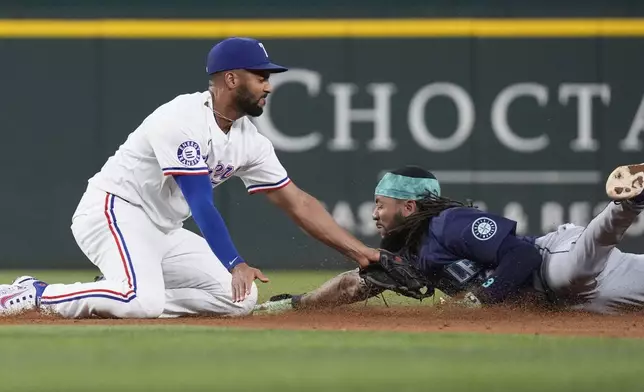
[[240, 53]]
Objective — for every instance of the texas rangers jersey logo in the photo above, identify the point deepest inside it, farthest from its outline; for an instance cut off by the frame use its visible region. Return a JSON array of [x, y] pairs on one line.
[[221, 173], [189, 153], [483, 228]]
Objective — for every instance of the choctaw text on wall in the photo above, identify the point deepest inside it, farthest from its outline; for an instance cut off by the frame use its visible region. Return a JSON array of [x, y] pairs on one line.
[[525, 127]]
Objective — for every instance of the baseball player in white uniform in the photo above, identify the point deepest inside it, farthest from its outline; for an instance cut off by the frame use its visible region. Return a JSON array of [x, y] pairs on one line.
[[129, 220]]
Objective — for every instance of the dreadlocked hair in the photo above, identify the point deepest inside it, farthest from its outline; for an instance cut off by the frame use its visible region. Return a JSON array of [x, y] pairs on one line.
[[410, 232]]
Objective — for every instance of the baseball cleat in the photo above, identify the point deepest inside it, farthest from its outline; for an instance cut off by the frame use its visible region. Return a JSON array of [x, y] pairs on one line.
[[280, 297], [626, 182], [21, 280], [17, 298]]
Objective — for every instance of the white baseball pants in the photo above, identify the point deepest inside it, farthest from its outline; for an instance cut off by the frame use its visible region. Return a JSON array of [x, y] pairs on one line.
[[148, 273]]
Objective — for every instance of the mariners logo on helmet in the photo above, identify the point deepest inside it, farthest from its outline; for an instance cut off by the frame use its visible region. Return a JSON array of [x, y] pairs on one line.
[[483, 228], [189, 153]]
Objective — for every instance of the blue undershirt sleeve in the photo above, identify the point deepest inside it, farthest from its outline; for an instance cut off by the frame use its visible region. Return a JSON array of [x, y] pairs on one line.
[[197, 191]]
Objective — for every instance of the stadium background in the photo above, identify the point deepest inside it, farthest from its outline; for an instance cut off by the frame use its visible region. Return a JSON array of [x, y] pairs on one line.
[[505, 111]]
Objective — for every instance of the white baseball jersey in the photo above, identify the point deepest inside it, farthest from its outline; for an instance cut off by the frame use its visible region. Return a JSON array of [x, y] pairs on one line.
[[182, 137]]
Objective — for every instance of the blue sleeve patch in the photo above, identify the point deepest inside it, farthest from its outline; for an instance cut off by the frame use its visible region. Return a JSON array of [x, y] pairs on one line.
[[484, 228]]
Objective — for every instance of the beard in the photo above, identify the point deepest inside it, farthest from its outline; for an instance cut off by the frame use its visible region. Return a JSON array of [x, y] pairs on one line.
[[393, 240], [247, 104]]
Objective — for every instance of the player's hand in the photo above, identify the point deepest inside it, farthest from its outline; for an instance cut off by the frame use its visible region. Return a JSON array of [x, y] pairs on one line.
[[368, 256], [243, 277], [373, 255]]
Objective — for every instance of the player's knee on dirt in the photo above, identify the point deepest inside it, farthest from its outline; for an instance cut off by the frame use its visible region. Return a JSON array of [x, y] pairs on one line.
[[145, 307], [152, 309], [149, 302]]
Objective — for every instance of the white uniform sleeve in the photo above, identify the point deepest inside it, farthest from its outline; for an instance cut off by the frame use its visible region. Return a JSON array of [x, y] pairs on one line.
[[178, 149], [265, 172]]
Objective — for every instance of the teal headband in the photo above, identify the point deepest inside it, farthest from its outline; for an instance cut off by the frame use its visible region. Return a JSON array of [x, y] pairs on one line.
[[406, 188]]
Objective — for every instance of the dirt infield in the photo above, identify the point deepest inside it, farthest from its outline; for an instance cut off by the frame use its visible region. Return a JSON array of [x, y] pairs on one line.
[[408, 319]]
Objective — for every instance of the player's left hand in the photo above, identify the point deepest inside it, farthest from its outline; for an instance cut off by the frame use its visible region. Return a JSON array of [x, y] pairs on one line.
[[243, 277]]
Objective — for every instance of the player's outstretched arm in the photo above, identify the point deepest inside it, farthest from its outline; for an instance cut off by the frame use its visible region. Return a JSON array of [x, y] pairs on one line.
[[313, 218], [344, 289], [198, 193]]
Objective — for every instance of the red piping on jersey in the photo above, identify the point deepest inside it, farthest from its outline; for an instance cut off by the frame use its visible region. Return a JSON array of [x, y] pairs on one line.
[[186, 173], [280, 186]]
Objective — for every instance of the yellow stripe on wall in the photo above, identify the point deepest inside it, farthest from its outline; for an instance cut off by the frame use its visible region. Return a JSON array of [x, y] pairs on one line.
[[318, 28]]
